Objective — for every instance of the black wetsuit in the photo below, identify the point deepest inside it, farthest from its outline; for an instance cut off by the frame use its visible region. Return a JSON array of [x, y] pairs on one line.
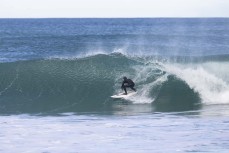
[[128, 83]]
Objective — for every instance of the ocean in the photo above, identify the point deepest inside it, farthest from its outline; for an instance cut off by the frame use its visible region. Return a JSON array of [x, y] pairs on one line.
[[57, 76]]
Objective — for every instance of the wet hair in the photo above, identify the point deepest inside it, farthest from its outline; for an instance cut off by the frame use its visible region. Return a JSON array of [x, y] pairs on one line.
[[124, 78]]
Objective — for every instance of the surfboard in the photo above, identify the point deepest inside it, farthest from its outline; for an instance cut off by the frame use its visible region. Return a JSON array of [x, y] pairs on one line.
[[123, 96]]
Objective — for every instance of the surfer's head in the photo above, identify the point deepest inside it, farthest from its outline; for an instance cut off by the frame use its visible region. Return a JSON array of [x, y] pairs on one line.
[[124, 78]]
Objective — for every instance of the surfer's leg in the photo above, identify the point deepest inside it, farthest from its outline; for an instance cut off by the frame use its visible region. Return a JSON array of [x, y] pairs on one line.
[[132, 87], [124, 87]]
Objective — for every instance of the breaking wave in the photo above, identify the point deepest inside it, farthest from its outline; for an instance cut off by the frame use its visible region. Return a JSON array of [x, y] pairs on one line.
[[86, 84]]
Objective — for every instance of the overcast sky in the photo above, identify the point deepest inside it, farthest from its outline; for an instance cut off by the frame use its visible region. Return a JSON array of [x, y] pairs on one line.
[[113, 8]]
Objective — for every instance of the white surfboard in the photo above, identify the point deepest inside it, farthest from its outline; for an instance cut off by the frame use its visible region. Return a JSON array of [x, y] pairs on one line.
[[123, 96]]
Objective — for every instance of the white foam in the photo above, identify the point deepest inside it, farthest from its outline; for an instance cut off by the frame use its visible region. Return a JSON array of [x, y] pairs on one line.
[[120, 51], [143, 95], [92, 53], [211, 86], [75, 56]]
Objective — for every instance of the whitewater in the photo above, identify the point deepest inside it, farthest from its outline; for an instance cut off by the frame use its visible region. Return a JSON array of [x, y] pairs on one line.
[[57, 76]]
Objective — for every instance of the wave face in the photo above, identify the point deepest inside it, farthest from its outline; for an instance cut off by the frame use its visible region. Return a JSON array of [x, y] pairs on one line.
[[43, 85], [86, 84]]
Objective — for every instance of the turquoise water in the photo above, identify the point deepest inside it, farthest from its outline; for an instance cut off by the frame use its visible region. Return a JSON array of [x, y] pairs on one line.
[[57, 76]]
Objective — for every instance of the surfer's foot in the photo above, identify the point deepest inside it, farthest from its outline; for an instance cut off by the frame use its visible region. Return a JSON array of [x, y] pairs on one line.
[[124, 93]]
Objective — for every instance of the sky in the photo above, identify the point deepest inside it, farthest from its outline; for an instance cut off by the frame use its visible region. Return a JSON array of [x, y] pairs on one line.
[[112, 8]]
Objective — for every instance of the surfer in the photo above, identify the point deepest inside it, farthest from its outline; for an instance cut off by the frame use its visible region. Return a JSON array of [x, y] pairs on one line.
[[127, 83]]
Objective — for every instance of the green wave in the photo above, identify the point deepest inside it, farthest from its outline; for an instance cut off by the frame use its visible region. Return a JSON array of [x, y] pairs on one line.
[[86, 84]]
